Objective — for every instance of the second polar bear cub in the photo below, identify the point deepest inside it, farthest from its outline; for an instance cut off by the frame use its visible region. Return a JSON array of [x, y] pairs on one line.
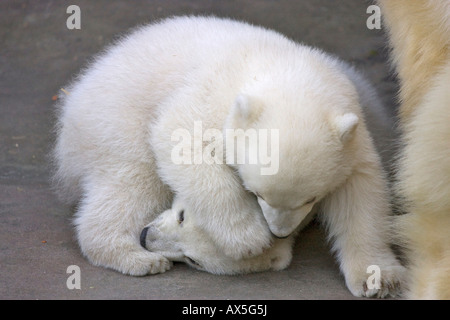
[[115, 149]]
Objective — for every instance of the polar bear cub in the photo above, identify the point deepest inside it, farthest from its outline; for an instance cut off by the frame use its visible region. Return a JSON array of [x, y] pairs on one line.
[[175, 235], [116, 142]]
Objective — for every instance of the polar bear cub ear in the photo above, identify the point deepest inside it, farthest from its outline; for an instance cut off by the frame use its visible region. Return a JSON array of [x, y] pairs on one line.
[[244, 111], [346, 125]]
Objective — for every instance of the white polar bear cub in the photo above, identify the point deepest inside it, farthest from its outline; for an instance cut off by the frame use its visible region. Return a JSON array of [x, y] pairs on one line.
[[116, 142], [175, 235]]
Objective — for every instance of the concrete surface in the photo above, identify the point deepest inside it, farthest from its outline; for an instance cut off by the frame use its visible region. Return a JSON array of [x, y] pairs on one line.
[[39, 55]]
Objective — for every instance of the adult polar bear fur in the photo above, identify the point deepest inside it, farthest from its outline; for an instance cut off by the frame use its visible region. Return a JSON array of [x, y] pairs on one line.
[[419, 33], [114, 150]]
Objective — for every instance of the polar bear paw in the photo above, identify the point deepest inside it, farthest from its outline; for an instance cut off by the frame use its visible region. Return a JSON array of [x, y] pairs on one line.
[[377, 282], [145, 263], [139, 263]]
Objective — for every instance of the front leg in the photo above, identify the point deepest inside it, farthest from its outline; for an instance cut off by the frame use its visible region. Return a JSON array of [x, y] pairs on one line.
[[357, 216]]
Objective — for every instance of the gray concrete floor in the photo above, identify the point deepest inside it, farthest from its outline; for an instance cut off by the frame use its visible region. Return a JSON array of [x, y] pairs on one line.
[[39, 55]]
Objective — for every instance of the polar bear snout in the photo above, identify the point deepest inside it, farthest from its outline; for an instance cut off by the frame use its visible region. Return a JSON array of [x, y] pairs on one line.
[[283, 222], [154, 240], [149, 237]]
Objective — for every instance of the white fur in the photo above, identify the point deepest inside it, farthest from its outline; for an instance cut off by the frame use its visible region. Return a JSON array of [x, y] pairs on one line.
[[182, 240], [114, 151]]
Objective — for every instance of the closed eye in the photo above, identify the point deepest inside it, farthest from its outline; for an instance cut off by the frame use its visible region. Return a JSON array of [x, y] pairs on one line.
[[310, 201], [258, 195], [193, 263], [180, 218]]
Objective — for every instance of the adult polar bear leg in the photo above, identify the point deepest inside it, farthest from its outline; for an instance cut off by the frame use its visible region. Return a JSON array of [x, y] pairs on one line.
[[356, 216]]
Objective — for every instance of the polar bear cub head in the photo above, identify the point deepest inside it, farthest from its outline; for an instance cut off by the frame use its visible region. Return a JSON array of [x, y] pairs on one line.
[[304, 146], [176, 235]]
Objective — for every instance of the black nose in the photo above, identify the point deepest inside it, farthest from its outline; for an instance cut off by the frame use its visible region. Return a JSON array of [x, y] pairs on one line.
[[143, 237]]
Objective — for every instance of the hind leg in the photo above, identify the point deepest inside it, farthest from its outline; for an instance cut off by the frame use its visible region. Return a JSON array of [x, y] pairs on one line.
[[112, 213]]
